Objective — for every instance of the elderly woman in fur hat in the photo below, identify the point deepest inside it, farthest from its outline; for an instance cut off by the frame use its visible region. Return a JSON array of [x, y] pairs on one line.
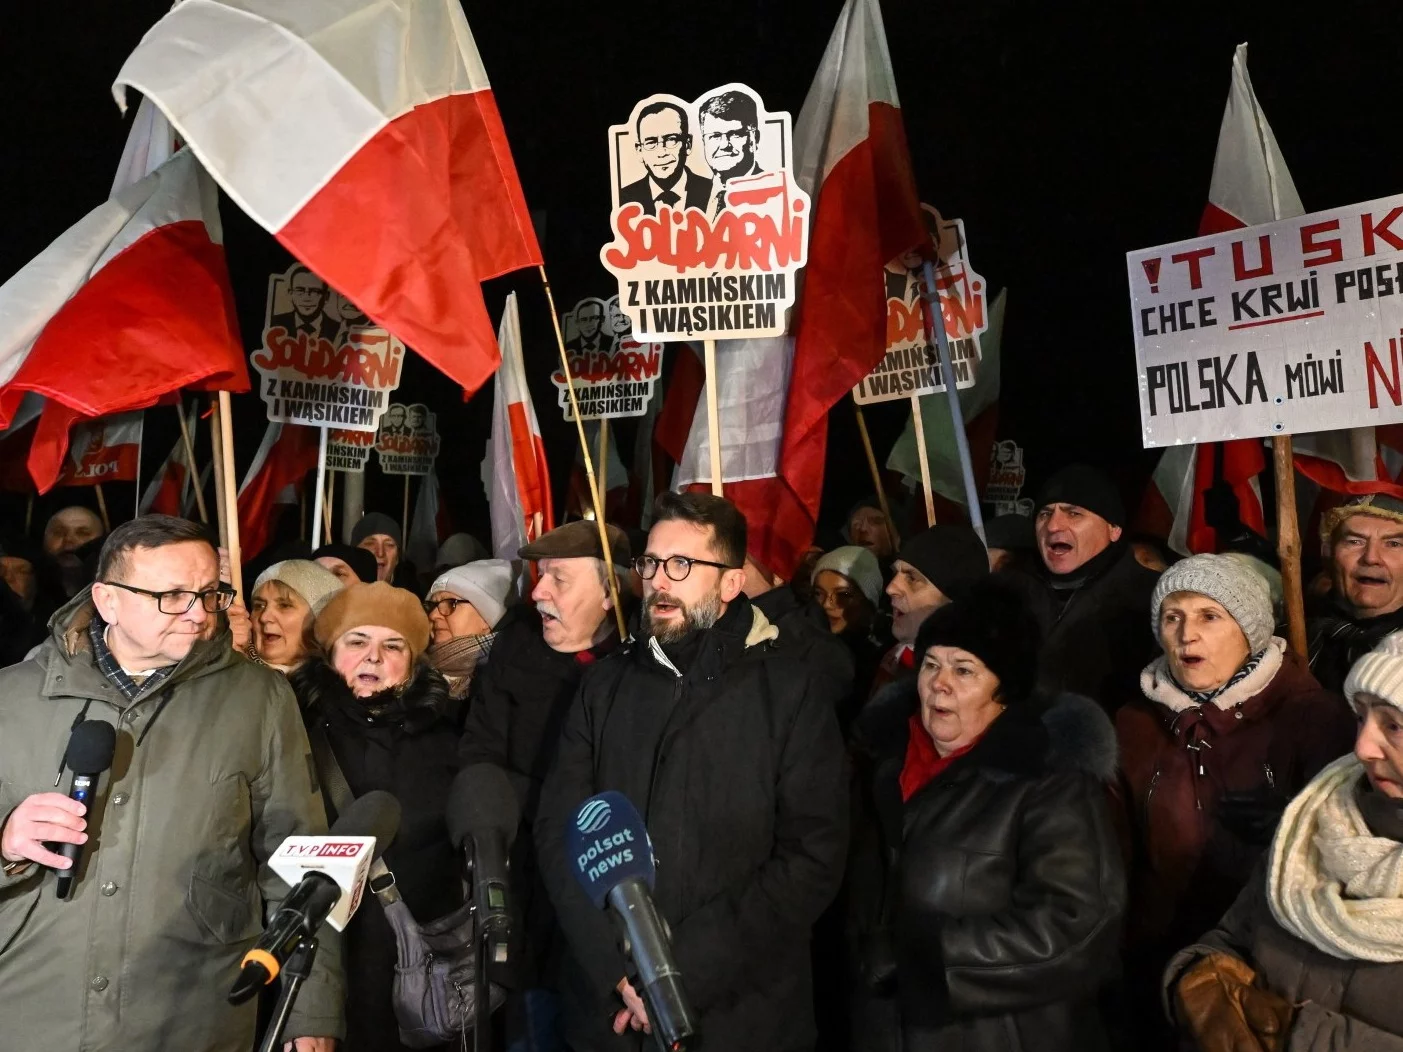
[[1310, 956]]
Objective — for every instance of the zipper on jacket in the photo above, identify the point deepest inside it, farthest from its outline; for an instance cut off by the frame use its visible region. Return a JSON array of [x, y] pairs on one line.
[[1271, 775]]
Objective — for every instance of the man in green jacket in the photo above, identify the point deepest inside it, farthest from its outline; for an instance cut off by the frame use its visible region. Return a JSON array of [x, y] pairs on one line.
[[212, 771]]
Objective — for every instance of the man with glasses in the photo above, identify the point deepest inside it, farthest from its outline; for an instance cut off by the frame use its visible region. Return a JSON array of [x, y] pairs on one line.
[[727, 741], [308, 316], [663, 142], [211, 772], [730, 130]]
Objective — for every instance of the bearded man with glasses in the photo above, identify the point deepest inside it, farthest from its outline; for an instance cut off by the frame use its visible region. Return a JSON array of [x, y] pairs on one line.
[[212, 771], [726, 739]]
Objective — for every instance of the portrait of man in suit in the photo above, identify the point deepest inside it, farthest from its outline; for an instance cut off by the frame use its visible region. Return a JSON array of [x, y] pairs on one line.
[[309, 296], [663, 140], [730, 131], [393, 423], [352, 317], [590, 333]]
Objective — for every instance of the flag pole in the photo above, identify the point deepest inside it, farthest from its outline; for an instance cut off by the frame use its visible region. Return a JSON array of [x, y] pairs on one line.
[[140, 439], [217, 456], [231, 493], [405, 518], [328, 509], [921, 454], [589, 463], [1288, 542], [102, 508], [190, 464], [935, 322], [28, 514], [713, 419], [319, 500], [876, 477], [604, 459]]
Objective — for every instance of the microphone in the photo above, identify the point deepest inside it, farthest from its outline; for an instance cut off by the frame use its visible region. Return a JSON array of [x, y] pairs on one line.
[[614, 864], [483, 815], [89, 753], [332, 871]]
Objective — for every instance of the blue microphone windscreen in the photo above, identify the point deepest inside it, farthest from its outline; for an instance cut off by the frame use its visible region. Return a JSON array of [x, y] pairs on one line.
[[608, 844]]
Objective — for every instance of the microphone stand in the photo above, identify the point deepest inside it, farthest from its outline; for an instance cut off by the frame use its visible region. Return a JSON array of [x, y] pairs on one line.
[[295, 972]]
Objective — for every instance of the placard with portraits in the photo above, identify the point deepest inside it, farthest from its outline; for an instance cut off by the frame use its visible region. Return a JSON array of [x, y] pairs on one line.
[[613, 374], [408, 441]]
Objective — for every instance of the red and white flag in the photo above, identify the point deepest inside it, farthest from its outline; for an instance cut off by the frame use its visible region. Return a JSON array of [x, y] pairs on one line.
[[428, 526], [170, 491], [286, 454], [851, 157], [366, 138], [107, 450], [519, 487], [130, 304]]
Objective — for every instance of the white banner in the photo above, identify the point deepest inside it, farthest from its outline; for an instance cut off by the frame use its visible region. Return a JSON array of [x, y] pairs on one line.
[[1286, 327]]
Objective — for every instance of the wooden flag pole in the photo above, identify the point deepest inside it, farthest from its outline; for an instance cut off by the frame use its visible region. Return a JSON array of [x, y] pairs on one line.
[[1288, 543], [231, 493], [713, 420], [405, 519], [892, 535], [102, 509], [217, 455], [318, 514], [190, 465], [604, 459], [28, 514], [589, 463], [328, 509], [924, 458]]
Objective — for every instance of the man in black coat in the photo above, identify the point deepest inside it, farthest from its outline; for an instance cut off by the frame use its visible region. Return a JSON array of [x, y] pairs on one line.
[[1090, 596], [663, 142], [730, 749]]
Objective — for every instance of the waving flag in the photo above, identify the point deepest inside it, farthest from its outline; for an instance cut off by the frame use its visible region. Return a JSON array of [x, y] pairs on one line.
[[286, 454], [107, 450], [170, 491], [365, 137], [130, 304], [519, 487]]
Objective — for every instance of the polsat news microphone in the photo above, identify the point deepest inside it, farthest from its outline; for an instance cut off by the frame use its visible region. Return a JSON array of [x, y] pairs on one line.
[[613, 862]]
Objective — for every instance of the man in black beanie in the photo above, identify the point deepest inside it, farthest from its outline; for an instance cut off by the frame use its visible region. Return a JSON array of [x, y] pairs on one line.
[[1089, 592]]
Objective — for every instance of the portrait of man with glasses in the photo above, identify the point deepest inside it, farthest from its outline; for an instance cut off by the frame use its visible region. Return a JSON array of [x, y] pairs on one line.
[[309, 296], [663, 141], [730, 131]]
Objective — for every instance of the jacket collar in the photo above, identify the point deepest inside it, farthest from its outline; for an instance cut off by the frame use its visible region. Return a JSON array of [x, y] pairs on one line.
[[1159, 686], [723, 641]]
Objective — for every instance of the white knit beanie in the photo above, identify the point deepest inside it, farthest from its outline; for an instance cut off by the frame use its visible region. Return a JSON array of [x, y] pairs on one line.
[[1379, 672], [312, 581], [1234, 586], [858, 565], [484, 583]]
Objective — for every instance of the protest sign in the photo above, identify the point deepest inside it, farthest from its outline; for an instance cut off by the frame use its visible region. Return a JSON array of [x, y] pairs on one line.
[[613, 375], [709, 226], [1287, 327], [348, 450], [1006, 477], [408, 440], [323, 363], [911, 365]]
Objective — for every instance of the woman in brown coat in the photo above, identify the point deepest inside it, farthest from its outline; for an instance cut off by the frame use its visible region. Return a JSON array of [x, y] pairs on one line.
[[1231, 726]]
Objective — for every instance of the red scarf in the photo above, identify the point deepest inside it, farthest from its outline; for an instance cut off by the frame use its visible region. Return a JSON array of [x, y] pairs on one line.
[[923, 763]]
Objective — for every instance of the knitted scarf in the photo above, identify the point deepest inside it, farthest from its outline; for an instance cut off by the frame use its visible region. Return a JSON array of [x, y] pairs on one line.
[[1331, 881]]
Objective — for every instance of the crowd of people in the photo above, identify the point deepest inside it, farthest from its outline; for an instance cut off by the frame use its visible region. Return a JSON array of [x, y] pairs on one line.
[[929, 793]]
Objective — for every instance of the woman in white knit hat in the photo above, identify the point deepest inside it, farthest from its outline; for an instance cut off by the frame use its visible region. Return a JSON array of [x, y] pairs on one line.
[[847, 586], [1311, 954], [286, 600], [1230, 726], [464, 606]]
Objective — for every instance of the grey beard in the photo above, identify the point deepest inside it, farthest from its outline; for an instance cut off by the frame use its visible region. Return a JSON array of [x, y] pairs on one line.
[[700, 616]]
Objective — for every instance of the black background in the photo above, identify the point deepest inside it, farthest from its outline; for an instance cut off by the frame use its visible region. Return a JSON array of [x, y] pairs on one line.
[[1064, 135]]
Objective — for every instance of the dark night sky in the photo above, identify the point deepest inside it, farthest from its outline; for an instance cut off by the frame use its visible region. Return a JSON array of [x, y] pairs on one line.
[[1064, 135]]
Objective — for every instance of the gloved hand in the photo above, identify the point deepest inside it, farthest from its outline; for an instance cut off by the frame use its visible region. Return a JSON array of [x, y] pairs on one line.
[[1225, 1012], [1251, 814]]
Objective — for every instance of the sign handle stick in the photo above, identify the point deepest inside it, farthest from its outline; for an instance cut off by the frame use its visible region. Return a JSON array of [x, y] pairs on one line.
[[604, 459], [328, 509], [28, 514], [405, 519], [713, 420], [231, 492], [1288, 542], [320, 498], [876, 477], [589, 462], [217, 453], [923, 456], [957, 416], [301, 515], [102, 508], [191, 466]]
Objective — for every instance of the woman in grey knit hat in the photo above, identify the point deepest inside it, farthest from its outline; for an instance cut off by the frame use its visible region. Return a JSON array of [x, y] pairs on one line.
[[1231, 725]]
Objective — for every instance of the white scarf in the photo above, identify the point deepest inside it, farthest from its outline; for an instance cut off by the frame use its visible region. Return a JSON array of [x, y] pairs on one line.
[[1332, 882]]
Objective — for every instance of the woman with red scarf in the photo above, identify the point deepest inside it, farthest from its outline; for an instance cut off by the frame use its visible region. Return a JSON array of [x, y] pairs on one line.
[[999, 917]]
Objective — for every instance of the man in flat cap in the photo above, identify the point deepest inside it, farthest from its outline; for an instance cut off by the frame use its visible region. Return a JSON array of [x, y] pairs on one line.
[[1364, 541], [518, 705]]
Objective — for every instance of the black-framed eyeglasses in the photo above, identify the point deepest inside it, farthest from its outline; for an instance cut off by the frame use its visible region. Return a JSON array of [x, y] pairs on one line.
[[179, 601], [676, 567], [443, 606], [667, 142]]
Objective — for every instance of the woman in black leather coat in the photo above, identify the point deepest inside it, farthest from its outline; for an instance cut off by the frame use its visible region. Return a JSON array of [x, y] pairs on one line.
[[998, 921]]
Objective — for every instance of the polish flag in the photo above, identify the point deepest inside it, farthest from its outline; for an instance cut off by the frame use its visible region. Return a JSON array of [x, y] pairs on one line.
[[850, 155], [102, 451], [428, 526], [287, 453], [519, 488], [365, 137], [130, 304], [170, 491]]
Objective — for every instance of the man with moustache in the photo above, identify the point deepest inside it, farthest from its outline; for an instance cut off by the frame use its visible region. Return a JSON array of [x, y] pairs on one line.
[[1364, 539], [663, 141], [730, 747]]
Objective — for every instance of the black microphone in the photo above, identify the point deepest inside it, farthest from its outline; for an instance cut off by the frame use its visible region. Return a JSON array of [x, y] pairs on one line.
[[483, 815], [89, 753], [614, 864], [300, 915]]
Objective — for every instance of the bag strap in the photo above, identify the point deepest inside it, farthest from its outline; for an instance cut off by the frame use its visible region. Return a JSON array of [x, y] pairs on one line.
[[338, 790]]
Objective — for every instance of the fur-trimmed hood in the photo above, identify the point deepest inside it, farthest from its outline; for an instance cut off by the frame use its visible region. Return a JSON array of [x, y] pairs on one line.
[[418, 705]]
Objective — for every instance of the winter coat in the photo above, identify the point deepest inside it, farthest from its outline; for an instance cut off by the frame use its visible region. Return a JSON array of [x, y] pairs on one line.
[[1337, 639], [1002, 889], [742, 785], [1094, 638], [405, 743], [803, 625], [212, 772], [1270, 733]]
